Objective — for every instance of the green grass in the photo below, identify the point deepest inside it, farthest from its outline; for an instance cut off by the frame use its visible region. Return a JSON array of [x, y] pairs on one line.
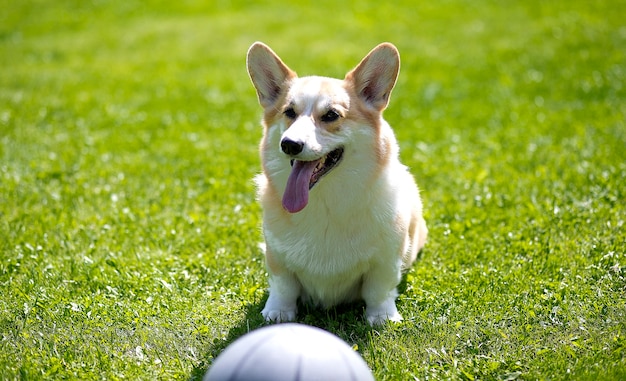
[[129, 233]]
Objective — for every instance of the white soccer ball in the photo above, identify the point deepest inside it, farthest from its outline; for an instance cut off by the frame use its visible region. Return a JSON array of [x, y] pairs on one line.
[[288, 352]]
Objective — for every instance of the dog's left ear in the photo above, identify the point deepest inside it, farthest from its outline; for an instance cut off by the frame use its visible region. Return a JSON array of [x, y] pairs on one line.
[[374, 77]]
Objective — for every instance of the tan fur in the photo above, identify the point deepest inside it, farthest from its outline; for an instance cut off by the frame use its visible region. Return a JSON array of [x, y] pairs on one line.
[[362, 224]]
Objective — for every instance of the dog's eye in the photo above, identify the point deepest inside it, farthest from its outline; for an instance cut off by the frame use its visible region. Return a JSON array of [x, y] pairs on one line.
[[330, 116], [290, 113]]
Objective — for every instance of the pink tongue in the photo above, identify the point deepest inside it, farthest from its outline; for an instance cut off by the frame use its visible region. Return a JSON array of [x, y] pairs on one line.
[[297, 191]]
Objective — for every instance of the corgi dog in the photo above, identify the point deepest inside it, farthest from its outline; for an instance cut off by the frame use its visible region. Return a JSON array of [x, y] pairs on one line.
[[342, 217]]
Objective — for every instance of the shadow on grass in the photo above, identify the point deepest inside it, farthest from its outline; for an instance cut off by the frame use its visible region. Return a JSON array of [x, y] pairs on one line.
[[346, 321]]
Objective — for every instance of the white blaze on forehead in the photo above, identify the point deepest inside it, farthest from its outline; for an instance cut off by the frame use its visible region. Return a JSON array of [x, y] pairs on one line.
[[310, 95]]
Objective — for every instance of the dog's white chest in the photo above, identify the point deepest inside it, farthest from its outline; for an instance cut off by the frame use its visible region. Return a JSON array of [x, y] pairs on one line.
[[330, 253], [328, 265]]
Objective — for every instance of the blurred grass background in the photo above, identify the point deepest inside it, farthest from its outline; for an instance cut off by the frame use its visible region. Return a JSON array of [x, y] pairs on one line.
[[128, 227]]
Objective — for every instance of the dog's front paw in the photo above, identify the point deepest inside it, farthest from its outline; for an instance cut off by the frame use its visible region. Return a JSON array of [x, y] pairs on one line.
[[279, 316], [281, 304], [379, 319], [380, 314]]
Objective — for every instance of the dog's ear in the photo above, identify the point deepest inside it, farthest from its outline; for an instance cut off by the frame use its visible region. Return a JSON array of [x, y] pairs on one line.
[[374, 77], [267, 72]]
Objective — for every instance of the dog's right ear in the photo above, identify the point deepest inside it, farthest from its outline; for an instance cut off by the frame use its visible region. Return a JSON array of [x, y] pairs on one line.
[[267, 72]]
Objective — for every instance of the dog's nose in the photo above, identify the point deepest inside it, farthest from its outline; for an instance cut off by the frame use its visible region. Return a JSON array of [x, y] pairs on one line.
[[291, 147]]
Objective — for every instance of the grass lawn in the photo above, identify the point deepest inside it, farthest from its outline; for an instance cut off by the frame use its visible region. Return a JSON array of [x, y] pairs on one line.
[[129, 232]]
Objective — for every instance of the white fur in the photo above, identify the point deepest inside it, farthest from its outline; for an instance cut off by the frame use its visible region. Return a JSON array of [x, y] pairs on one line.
[[352, 240]]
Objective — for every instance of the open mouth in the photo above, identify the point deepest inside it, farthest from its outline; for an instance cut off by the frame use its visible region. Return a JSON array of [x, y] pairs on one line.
[[304, 175], [324, 165]]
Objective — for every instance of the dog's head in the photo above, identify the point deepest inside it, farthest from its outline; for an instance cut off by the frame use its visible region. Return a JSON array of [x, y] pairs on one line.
[[316, 114]]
